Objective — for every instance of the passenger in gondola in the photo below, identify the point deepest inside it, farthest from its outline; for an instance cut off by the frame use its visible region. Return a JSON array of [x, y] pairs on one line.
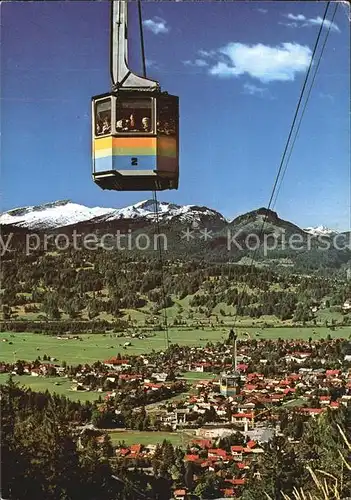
[[123, 125], [145, 122], [106, 126], [98, 125], [132, 122]]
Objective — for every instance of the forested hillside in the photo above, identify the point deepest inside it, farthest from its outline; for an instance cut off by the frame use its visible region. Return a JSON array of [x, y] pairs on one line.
[[80, 285]]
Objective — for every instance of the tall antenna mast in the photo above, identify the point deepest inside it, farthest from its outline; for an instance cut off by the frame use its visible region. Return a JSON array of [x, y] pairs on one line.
[[235, 352]]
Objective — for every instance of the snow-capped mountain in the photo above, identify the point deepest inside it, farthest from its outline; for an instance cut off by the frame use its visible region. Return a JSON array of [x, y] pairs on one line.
[[146, 208], [166, 212], [51, 215], [320, 231], [65, 213]]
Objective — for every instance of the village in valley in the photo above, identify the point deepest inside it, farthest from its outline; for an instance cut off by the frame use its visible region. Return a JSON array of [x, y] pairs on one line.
[[221, 405]]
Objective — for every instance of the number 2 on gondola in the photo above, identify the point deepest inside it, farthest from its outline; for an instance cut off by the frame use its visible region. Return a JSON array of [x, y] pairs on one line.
[[134, 162]]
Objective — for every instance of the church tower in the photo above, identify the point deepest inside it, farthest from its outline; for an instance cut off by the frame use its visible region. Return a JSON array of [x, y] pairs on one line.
[[230, 380]]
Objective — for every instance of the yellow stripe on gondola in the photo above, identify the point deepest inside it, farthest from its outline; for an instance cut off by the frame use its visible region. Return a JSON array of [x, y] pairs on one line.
[[125, 146], [134, 146], [103, 143]]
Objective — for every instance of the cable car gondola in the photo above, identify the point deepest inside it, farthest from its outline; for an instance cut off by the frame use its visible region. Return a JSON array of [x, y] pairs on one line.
[[135, 126]]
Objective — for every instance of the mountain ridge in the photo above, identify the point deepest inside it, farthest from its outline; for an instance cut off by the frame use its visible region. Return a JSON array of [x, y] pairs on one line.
[[190, 231], [65, 213]]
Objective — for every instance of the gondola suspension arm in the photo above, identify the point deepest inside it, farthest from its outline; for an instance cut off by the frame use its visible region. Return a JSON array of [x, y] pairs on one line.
[[121, 75]]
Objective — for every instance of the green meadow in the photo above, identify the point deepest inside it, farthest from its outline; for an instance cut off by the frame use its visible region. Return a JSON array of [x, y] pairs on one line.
[[58, 385], [94, 347], [147, 437]]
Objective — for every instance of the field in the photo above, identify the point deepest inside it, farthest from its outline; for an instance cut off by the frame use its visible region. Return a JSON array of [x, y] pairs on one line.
[[145, 438], [56, 385], [93, 347]]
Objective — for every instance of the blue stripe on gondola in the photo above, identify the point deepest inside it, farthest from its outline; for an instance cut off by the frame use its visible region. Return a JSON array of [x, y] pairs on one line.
[[125, 163]]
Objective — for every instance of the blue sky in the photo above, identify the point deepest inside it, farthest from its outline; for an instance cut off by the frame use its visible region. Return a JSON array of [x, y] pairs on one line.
[[238, 69]]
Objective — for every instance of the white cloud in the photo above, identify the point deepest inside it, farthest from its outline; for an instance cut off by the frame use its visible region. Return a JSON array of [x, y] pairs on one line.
[[201, 63], [253, 89], [299, 17], [262, 62], [290, 25], [263, 11], [317, 21], [223, 69], [150, 63], [206, 53], [156, 25]]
